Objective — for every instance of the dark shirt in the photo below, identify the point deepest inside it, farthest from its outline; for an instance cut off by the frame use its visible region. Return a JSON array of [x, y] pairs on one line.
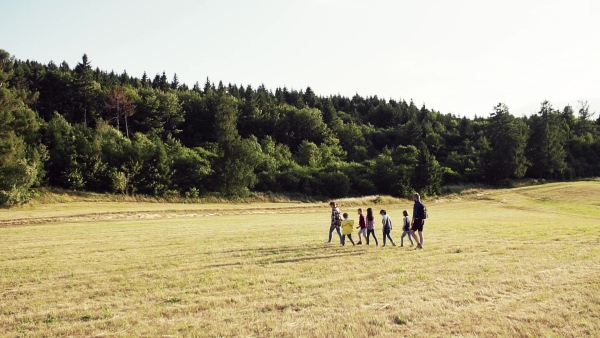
[[361, 222], [418, 210]]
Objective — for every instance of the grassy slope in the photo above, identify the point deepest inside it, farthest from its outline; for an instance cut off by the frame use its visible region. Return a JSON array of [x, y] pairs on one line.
[[518, 262]]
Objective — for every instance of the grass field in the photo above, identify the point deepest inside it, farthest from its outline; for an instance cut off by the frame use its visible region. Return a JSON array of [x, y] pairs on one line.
[[521, 262]]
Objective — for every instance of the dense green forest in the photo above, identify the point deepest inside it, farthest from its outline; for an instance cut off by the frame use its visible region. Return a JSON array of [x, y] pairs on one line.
[[87, 129]]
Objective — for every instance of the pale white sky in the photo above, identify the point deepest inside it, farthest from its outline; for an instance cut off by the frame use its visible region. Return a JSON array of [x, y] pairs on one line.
[[460, 57]]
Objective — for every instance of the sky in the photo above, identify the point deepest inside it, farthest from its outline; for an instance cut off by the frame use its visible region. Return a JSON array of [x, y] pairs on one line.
[[461, 57]]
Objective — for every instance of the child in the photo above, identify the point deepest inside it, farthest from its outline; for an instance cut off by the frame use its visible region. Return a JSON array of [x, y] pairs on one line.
[[362, 226], [406, 229], [386, 221], [347, 228], [371, 226]]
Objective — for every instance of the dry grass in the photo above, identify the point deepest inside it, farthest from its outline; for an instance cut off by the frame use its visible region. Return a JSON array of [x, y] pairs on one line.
[[516, 262]]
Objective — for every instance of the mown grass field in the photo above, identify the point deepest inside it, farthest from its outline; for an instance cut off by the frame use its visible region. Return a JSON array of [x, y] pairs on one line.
[[522, 262]]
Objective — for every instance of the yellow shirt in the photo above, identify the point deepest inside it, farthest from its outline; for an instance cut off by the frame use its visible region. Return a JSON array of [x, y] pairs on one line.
[[347, 226]]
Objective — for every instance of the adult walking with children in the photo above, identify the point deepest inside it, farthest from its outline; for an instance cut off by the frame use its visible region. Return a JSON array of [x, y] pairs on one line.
[[418, 220]]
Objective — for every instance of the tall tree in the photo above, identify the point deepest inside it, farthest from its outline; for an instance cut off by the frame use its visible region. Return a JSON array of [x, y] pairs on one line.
[[162, 83], [21, 154], [234, 168], [84, 83], [175, 82], [508, 139], [546, 147], [427, 178]]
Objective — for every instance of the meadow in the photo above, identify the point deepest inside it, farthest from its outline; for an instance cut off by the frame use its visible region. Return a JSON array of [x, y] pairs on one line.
[[522, 262]]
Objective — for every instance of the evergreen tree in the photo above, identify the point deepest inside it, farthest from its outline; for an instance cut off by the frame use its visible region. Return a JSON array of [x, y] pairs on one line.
[[508, 139], [145, 81], [84, 83], [234, 168], [427, 178], [162, 82], [175, 82], [546, 147]]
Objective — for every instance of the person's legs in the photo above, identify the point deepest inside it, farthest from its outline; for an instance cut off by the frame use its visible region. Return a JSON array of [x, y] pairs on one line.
[[402, 238], [384, 236], [412, 232], [331, 228], [350, 238], [421, 238], [343, 240], [360, 236], [339, 234], [375, 237], [390, 238]]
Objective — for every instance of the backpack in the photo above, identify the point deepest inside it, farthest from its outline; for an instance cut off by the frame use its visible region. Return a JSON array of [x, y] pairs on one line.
[[424, 211], [389, 222], [406, 224]]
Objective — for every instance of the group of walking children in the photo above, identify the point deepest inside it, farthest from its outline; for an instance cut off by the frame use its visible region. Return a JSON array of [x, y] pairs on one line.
[[366, 225]]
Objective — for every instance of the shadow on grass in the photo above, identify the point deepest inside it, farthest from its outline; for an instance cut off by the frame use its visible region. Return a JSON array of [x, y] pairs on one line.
[[274, 250], [274, 255], [302, 259]]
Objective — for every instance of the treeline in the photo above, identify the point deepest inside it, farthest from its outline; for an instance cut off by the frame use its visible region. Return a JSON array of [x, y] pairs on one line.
[[86, 129]]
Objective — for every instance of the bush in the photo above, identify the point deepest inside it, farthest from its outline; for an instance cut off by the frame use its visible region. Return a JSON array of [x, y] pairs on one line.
[[334, 185]]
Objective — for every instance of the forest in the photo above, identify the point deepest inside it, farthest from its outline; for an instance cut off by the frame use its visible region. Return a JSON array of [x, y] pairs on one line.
[[87, 129]]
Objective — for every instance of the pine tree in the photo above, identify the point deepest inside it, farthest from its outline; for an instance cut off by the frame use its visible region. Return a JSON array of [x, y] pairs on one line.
[[508, 139], [84, 80], [427, 178], [175, 82], [234, 168], [162, 82], [546, 148], [145, 80]]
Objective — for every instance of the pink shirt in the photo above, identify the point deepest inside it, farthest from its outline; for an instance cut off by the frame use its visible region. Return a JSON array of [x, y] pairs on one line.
[[371, 224]]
